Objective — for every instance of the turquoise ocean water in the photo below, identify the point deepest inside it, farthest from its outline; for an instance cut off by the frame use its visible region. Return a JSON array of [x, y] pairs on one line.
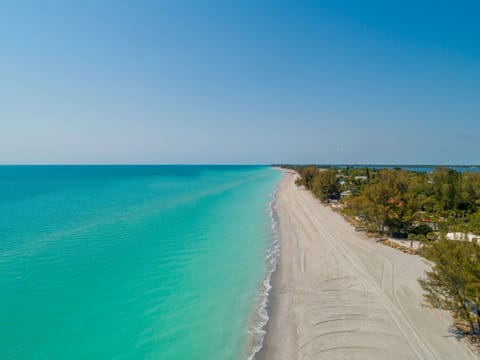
[[132, 262]]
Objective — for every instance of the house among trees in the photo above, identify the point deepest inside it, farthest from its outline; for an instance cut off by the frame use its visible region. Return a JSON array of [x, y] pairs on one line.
[[460, 236], [433, 224], [361, 178]]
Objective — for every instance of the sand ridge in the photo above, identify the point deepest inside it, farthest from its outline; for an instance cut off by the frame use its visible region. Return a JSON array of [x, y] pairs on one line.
[[340, 295]]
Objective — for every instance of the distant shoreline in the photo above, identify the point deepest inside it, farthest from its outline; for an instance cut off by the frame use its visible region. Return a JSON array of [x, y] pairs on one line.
[[410, 167]]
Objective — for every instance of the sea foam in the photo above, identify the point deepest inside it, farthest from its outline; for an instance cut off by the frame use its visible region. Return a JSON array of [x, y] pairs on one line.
[[259, 320]]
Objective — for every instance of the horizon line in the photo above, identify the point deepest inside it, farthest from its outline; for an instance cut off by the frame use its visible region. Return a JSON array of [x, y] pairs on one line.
[[241, 164]]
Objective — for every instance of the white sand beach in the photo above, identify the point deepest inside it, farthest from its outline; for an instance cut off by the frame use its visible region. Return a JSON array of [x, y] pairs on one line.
[[339, 295]]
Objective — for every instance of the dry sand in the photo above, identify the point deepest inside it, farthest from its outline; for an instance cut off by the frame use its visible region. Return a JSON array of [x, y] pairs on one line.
[[340, 295]]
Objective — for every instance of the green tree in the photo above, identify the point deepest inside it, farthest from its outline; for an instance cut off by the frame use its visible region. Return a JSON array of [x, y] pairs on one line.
[[325, 185], [372, 206], [307, 174], [453, 282], [446, 188], [388, 201]]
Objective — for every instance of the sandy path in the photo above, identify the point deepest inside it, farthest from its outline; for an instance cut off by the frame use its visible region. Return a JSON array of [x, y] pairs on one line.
[[340, 295]]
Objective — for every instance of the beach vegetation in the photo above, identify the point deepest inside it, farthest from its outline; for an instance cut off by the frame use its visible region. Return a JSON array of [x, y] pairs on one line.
[[307, 175], [324, 183], [326, 186], [453, 283], [397, 202]]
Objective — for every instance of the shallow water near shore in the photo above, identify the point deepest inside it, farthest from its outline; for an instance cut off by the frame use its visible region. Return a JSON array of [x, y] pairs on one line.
[[132, 262]]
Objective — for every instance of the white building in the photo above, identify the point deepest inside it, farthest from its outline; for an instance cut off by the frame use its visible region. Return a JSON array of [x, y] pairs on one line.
[[461, 236]]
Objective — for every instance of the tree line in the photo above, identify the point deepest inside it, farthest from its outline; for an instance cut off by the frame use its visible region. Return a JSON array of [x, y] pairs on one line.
[[400, 202]]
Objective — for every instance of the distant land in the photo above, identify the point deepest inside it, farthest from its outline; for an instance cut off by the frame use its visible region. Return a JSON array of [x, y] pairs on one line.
[[411, 167]]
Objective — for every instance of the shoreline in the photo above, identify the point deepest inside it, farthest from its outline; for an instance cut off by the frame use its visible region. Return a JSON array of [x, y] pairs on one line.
[[258, 323], [338, 294], [274, 308]]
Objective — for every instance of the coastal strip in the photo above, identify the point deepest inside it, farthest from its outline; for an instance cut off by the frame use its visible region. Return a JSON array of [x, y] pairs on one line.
[[259, 319], [339, 295]]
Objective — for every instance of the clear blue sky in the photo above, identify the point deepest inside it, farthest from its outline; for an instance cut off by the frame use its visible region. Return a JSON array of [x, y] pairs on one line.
[[239, 81]]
